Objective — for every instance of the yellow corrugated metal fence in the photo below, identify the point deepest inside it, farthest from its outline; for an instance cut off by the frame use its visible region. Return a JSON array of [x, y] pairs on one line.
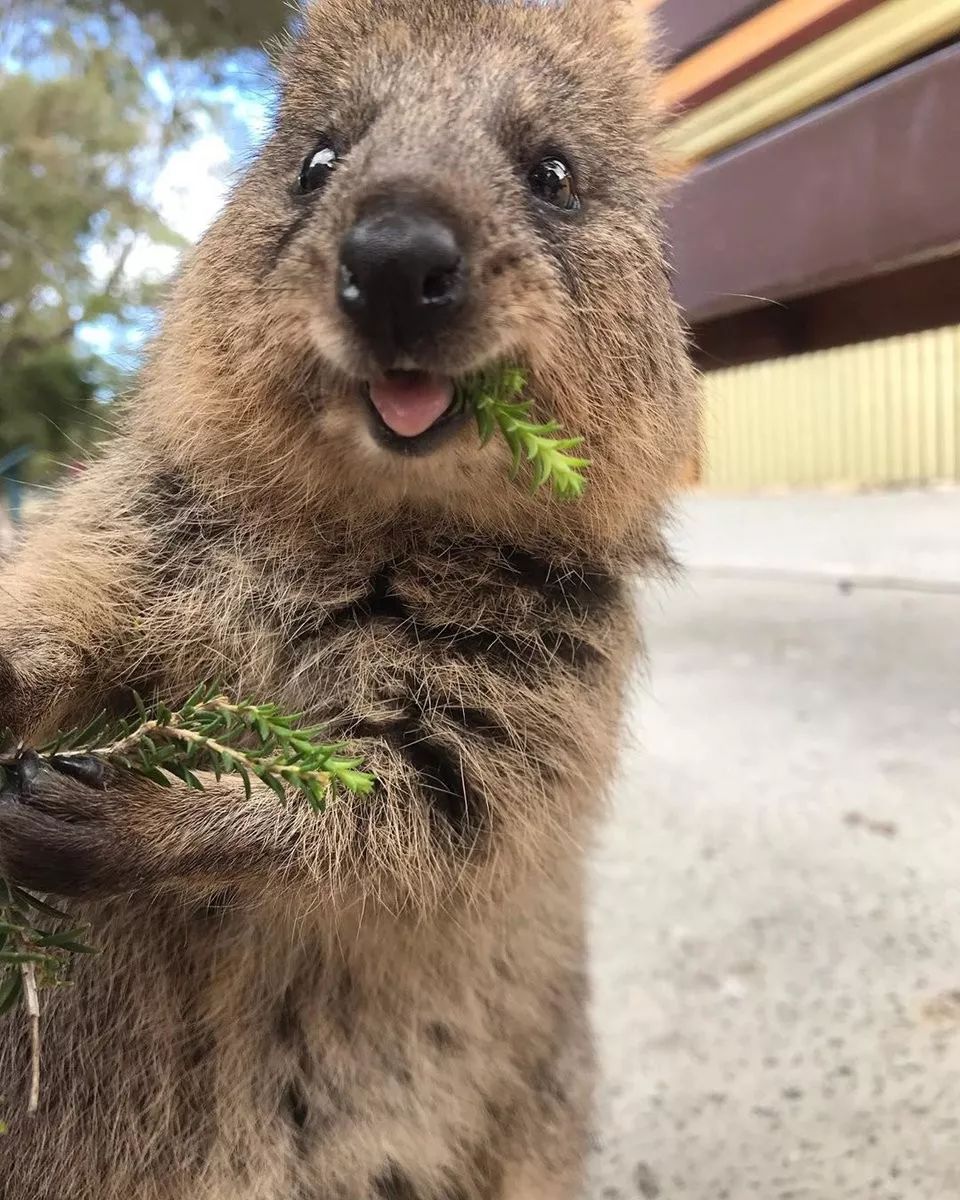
[[879, 413]]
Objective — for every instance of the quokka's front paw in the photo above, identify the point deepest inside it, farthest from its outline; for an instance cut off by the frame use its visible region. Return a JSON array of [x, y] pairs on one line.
[[68, 827]]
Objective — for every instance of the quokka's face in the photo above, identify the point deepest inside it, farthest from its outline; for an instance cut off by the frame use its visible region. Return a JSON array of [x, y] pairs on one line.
[[453, 184]]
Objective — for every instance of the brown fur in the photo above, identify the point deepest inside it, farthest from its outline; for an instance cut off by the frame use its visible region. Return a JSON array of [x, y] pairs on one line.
[[388, 1001]]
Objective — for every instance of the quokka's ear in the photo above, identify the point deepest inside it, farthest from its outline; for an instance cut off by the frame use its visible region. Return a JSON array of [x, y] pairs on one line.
[[633, 19], [636, 21], [637, 10], [332, 27]]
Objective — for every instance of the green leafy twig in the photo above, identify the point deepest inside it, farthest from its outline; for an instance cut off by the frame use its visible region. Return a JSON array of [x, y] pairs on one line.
[[32, 957], [209, 733], [212, 733], [494, 395]]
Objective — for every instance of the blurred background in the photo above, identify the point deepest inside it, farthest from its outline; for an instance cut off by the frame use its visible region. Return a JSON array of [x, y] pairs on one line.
[[776, 914], [816, 230], [122, 123], [776, 928]]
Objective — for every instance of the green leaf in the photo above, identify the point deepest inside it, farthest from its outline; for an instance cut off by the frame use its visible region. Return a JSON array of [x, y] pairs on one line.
[[177, 769], [54, 938], [359, 782], [275, 785], [245, 776], [155, 775], [304, 745], [10, 991], [183, 773], [63, 941], [316, 794], [89, 734], [26, 900], [20, 957]]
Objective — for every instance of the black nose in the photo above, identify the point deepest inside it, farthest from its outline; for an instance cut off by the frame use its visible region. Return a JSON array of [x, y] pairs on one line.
[[402, 279]]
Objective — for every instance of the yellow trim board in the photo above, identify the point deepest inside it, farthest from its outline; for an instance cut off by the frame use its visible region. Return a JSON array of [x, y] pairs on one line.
[[744, 44], [869, 414], [870, 44]]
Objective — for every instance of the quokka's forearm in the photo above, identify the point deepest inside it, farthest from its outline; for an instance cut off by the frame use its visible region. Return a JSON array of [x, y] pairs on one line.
[[89, 833], [67, 609]]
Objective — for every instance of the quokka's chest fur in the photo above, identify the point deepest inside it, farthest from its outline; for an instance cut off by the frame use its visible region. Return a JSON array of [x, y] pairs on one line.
[[472, 668]]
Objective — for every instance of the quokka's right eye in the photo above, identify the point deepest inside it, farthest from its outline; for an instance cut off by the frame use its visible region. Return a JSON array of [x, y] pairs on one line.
[[318, 166], [552, 180]]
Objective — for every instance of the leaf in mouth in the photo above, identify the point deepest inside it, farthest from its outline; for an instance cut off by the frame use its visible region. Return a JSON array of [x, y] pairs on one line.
[[495, 395]]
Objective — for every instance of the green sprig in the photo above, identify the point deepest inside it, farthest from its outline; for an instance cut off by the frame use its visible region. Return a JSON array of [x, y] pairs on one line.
[[214, 734], [494, 395], [209, 733], [32, 957]]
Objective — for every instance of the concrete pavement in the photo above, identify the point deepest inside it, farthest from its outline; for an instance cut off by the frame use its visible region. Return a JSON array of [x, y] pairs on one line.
[[776, 926], [875, 538]]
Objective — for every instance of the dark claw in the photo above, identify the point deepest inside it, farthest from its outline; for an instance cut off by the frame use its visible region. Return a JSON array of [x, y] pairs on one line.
[[29, 764], [85, 769]]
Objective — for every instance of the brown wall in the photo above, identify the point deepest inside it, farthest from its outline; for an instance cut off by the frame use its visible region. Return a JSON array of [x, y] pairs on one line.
[[863, 186], [689, 24]]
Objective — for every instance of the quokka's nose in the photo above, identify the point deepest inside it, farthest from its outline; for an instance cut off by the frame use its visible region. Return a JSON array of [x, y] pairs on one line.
[[402, 279]]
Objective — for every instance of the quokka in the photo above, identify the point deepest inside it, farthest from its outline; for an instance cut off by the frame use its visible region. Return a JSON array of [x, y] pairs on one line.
[[388, 1000]]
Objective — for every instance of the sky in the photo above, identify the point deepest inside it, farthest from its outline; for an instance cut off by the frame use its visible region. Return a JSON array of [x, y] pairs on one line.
[[191, 187], [188, 194], [193, 184]]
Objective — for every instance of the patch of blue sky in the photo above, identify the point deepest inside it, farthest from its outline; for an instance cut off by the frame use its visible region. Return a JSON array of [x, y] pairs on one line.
[[188, 191]]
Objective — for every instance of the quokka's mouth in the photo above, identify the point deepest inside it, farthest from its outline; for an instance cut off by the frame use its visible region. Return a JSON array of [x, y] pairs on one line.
[[413, 411]]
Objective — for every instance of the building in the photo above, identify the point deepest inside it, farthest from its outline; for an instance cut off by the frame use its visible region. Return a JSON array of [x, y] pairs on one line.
[[815, 229]]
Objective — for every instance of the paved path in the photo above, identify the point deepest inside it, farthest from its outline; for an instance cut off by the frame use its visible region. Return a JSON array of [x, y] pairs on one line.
[[776, 929], [876, 538]]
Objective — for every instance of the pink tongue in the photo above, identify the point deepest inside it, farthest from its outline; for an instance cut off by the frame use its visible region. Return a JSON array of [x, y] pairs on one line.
[[410, 404]]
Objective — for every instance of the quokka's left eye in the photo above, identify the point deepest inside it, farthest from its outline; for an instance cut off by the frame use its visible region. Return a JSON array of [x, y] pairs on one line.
[[318, 166], [553, 180]]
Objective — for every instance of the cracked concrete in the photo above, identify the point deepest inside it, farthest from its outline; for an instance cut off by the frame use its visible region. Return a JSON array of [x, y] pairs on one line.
[[776, 926]]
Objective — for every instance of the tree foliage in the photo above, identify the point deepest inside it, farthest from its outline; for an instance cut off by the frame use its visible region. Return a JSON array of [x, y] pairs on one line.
[[95, 98], [203, 27]]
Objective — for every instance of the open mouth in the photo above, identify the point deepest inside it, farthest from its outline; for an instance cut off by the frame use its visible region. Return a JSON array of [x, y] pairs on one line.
[[412, 411]]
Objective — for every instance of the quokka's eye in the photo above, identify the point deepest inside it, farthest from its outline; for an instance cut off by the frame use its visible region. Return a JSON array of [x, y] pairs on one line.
[[553, 180], [318, 166]]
